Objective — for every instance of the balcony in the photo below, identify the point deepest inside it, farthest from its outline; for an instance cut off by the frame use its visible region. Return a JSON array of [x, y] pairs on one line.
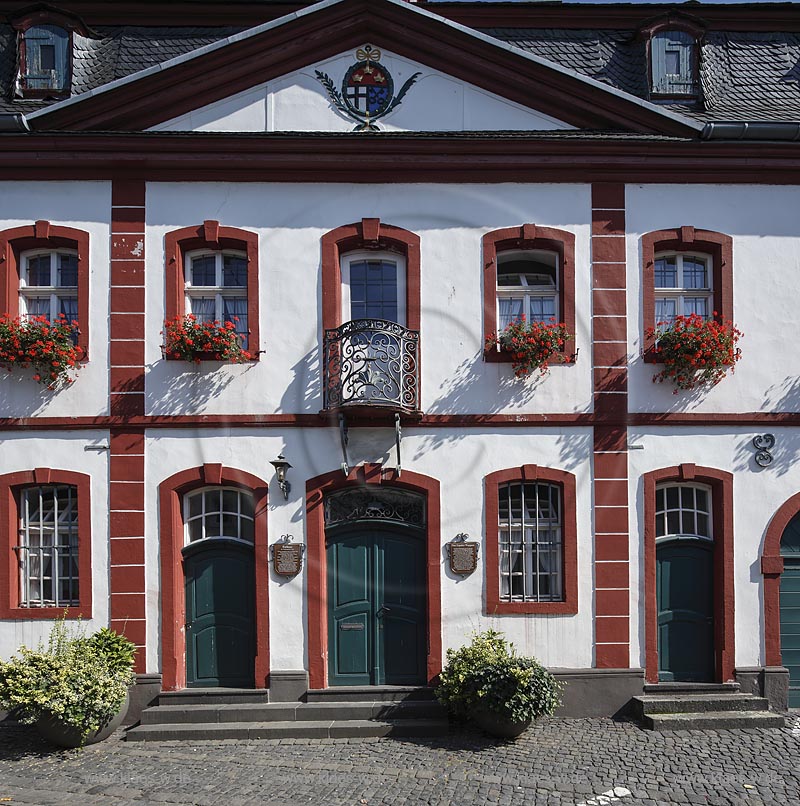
[[371, 367]]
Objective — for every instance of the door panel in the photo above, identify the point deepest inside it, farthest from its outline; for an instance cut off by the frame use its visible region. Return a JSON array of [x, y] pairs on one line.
[[685, 596], [376, 609], [790, 626], [220, 640]]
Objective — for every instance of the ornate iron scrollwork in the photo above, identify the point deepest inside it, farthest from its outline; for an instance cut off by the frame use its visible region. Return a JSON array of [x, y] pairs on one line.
[[764, 443], [371, 362], [363, 504]]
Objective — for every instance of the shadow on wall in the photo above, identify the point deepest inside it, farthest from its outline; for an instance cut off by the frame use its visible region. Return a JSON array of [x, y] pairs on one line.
[[180, 387], [21, 396], [784, 454]]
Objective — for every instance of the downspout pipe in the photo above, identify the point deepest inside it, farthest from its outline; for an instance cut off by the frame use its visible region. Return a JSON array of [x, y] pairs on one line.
[[758, 130], [13, 122]]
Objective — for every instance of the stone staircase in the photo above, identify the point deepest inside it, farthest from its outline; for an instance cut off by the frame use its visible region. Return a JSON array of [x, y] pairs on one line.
[[701, 706], [344, 712]]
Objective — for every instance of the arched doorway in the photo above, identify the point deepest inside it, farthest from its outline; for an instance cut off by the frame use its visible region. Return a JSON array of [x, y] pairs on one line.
[[362, 543], [376, 591], [790, 607]]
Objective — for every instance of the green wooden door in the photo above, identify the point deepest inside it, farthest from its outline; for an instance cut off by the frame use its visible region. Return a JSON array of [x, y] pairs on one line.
[[790, 626], [376, 608], [220, 641], [685, 596]]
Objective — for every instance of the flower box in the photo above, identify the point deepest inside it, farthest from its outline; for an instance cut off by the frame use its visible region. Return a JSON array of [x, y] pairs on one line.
[[530, 347], [186, 339]]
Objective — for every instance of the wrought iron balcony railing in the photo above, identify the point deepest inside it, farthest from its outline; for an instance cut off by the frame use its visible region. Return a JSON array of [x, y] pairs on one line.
[[371, 364]]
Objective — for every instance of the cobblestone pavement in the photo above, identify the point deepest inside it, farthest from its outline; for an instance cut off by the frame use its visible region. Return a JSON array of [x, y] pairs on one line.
[[586, 762]]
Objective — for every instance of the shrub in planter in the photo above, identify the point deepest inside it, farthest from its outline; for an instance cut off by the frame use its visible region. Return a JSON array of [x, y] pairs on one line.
[[186, 338], [695, 351], [73, 687], [487, 681], [532, 347], [48, 347]]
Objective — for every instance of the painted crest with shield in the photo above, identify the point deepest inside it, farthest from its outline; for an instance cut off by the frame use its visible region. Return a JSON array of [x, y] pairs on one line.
[[367, 92]]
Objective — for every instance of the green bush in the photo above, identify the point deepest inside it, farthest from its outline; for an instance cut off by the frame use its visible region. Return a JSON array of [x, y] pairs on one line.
[[83, 681], [488, 673]]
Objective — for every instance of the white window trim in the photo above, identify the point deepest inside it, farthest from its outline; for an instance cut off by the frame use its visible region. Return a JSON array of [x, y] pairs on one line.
[[52, 292], [680, 293], [681, 535], [514, 292], [187, 518], [355, 257]]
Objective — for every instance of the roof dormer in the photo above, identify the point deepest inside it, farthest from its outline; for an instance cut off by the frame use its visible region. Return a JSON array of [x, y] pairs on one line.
[[673, 50]]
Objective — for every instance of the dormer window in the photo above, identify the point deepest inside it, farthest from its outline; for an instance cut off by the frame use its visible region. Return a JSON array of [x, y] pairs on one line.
[[673, 64], [44, 60]]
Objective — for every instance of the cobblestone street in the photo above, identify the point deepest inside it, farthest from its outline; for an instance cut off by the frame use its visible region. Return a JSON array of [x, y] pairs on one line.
[[588, 762]]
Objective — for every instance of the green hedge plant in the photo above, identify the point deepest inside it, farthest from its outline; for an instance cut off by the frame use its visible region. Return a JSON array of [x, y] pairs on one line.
[[80, 680], [488, 674]]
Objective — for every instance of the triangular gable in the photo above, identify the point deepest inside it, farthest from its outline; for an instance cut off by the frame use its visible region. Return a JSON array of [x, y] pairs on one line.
[[337, 94], [332, 27]]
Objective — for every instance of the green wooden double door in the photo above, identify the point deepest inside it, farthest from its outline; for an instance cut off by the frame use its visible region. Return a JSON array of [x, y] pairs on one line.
[[220, 633], [790, 626], [377, 620], [685, 598]]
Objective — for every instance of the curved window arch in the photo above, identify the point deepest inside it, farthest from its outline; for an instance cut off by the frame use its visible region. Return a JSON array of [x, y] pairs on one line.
[[683, 510], [218, 513]]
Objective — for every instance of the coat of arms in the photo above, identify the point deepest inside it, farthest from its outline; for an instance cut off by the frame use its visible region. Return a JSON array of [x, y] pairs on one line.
[[367, 90]]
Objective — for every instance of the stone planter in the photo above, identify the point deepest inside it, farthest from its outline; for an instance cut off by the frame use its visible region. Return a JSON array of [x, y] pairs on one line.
[[55, 731], [497, 725]]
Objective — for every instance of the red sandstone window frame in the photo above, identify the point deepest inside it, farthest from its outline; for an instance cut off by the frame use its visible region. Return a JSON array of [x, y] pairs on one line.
[[721, 484], [569, 526], [370, 234], [529, 237], [44, 235], [686, 240], [212, 237], [11, 486], [171, 492]]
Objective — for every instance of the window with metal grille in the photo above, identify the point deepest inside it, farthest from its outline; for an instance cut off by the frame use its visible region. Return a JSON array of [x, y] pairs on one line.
[[531, 543], [216, 289], [683, 510], [683, 286], [46, 63], [218, 512], [48, 549], [527, 285], [49, 284]]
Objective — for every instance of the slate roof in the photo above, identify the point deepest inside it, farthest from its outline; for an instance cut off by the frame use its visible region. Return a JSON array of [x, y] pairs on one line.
[[744, 76]]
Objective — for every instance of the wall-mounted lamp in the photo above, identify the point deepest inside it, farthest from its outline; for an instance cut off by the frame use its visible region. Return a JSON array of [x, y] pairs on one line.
[[281, 466]]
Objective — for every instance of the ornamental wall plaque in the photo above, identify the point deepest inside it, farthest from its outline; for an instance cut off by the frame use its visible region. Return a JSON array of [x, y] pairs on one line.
[[463, 555], [287, 557], [367, 92]]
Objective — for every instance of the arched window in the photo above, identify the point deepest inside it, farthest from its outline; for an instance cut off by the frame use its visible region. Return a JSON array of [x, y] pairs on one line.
[[48, 284], [527, 285], [374, 286], [683, 510], [218, 513]]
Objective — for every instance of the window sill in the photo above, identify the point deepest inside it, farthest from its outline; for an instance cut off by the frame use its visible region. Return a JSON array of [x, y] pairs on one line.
[[492, 356], [46, 613], [207, 358], [544, 608]]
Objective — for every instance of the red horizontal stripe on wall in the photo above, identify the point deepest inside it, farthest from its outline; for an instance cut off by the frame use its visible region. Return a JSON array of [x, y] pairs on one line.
[[611, 575], [127, 219], [126, 495], [127, 273], [611, 547], [608, 195], [609, 303], [127, 379], [127, 442], [126, 551], [611, 603], [610, 328], [610, 438], [127, 299], [127, 579], [135, 631], [127, 353], [608, 222], [612, 630], [611, 519], [612, 656], [127, 468], [609, 275], [609, 249], [611, 380], [611, 466], [128, 192], [126, 524], [127, 605], [130, 405], [127, 247], [611, 493], [127, 326], [609, 355], [611, 405]]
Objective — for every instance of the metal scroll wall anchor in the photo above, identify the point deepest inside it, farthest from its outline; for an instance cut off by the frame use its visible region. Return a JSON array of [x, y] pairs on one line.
[[764, 443], [398, 435]]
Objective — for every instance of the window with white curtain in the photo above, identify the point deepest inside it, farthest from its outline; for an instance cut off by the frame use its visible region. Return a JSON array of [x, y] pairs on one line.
[[527, 285], [683, 286], [49, 284], [216, 288]]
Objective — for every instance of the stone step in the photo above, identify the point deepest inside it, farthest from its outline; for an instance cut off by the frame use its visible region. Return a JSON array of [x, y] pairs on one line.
[[296, 729], [370, 694], [290, 712], [214, 696], [690, 688], [714, 720], [685, 703]]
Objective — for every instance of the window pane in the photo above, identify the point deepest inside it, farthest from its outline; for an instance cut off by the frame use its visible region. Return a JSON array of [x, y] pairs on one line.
[[687, 497], [213, 525], [694, 273], [673, 62], [698, 305], [672, 497], [508, 279], [204, 308], [39, 270], [373, 290], [247, 506], [246, 530], [195, 530], [230, 501], [195, 505], [673, 523], [67, 271], [234, 271], [230, 526], [69, 307], [204, 270], [666, 310], [235, 310], [666, 272], [542, 309], [702, 525], [38, 306], [702, 500], [510, 309]]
